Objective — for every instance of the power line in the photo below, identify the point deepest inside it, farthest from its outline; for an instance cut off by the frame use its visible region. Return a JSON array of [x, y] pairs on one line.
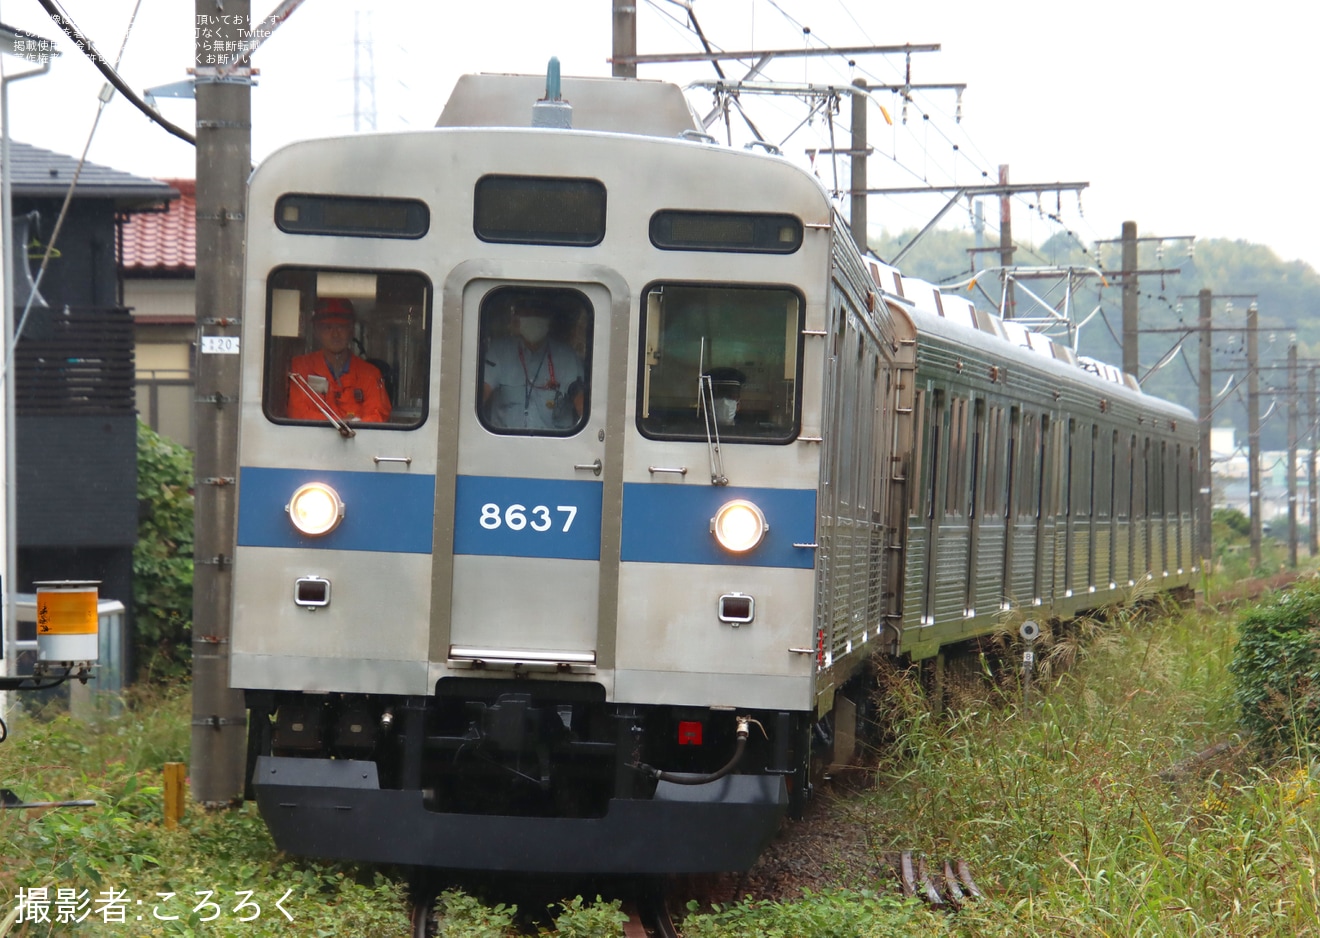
[[62, 20]]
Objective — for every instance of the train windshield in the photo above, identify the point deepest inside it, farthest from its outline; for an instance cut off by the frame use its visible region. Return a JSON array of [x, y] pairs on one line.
[[347, 347], [722, 360]]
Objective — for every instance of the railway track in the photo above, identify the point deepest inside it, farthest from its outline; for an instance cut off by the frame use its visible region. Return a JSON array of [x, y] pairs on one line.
[[648, 916], [947, 885], [950, 887]]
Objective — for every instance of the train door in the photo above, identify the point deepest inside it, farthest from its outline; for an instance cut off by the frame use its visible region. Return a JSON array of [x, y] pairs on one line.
[[1063, 578], [939, 431], [1012, 504], [1047, 455], [1114, 510], [974, 505], [1099, 522], [528, 483]]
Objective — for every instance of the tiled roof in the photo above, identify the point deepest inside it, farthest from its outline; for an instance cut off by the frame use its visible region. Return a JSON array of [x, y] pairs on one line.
[[161, 242], [39, 173]]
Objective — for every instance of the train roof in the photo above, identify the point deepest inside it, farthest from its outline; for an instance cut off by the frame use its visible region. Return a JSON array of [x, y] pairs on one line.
[[931, 304], [615, 105]]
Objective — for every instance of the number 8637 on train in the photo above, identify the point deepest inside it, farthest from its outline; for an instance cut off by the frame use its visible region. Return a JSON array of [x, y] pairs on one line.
[[583, 468]]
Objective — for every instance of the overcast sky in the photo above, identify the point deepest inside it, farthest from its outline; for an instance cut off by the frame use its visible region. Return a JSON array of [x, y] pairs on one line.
[[1188, 118]]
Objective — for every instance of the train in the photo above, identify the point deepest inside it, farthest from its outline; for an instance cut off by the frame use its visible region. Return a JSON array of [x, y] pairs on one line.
[[586, 463]]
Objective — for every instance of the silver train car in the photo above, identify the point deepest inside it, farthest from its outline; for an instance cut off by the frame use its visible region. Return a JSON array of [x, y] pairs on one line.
[[582, 470]]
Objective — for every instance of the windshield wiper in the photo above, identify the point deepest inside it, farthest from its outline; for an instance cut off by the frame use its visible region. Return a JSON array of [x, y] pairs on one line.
[[706, 397], [300, 382]]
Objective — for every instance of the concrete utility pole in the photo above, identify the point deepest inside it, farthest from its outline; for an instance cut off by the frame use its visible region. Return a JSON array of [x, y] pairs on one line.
[[1253, 434], [1130, 361], [224, 158], [857, 218], [1314, 432], [1009, 310], [1292, 452], [1205, 481], [625, 39]]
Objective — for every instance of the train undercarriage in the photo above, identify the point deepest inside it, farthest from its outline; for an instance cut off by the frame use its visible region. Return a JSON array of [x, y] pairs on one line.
[[523, 776]]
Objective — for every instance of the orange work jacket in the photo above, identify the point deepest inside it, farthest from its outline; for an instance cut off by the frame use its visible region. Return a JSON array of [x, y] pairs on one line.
[[357, 394]]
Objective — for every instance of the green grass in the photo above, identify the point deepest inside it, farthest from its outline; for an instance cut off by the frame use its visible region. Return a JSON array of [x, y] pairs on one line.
[[1071, 813], [1080, 815], [122, 844]]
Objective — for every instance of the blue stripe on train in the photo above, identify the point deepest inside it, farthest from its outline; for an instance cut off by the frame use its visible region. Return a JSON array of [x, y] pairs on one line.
[[384, 511], [665, 523]]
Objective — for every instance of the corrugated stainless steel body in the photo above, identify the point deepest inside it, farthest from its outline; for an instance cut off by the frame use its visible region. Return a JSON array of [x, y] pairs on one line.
[[1051, 449]]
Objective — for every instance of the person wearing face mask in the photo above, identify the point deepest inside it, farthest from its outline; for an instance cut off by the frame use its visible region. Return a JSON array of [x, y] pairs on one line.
[[726, 391], [531, 380], [349, 387]]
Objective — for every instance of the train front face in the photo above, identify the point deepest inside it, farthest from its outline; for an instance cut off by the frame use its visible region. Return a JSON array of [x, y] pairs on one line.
[[525, 582]]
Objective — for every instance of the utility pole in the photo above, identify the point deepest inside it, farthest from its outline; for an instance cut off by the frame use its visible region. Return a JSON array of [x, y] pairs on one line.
[[1292, 452], [1130, 295], [1253, 434], [625, 39], [1314, 535], [1009, 310], [224, 122], [1205, 541], [857, 218], [1205, 420]]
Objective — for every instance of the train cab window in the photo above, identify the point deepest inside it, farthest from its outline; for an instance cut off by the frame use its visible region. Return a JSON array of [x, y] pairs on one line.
[[347, 348], [720, 361], [534, 376]]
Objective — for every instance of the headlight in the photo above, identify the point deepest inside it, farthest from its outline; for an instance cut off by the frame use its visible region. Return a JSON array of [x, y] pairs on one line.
[[315, 509], [739, 526]]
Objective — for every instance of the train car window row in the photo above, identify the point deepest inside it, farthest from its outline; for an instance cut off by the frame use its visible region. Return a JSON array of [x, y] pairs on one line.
[[720, 361], [347, 347], [539, 210], [338, 215], [534, 373]]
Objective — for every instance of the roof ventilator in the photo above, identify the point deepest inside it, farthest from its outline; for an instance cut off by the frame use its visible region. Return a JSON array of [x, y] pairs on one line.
[[552, 110]]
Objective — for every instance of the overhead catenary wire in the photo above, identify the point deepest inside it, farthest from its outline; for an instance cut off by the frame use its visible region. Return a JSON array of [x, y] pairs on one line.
[[68, 195], [63, 21]]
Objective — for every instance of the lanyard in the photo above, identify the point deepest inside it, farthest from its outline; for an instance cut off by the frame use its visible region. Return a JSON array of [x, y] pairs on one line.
[[550, 385]]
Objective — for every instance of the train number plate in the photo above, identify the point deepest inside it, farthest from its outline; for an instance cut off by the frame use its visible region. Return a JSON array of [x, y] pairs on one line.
[[500, 516]]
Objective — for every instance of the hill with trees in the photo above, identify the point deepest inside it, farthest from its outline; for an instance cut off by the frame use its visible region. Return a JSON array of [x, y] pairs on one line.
[[1287, 296]]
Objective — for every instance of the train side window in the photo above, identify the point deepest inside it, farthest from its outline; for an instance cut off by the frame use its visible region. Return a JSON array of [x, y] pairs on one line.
[[1104, 493], [974, 503], [996, 498], [939, 433], [720, 360], [348, 346], [956, 478], [918, 451], [534, 376]]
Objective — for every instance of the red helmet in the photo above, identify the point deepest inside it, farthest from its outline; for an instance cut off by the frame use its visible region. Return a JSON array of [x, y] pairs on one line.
[[333, 309]]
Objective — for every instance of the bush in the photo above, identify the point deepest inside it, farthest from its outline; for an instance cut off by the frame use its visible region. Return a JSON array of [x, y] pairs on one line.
[[828, 914], [580, 919], [163, 557], [1234, 520], [1276, 665]]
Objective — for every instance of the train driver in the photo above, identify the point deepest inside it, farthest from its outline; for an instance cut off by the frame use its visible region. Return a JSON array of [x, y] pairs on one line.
[[349, 387], [532, 380]]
